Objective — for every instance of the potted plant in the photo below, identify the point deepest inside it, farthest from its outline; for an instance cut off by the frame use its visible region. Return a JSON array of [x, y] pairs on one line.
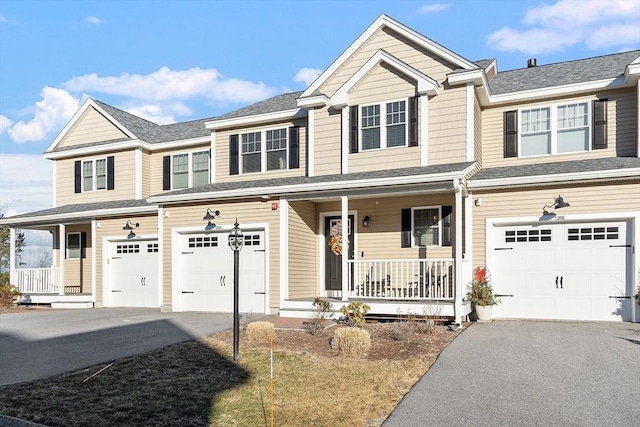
[[481, 294]]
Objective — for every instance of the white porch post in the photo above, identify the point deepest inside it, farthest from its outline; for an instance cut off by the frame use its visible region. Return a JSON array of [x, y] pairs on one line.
[[12, 256], [346, 143], [62, 244], [345, 247], [284, 251], [458, 253], [94, 261], [468, 239]]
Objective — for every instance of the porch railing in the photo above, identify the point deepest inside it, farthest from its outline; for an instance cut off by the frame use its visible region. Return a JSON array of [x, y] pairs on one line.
[[402, 279], [36, 280]]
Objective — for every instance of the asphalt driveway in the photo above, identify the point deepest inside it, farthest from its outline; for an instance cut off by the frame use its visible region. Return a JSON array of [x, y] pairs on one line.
[[526, 373], [43, 343]]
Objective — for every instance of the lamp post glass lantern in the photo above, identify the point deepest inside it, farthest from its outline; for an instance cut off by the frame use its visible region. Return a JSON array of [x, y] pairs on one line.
[[236, 240]]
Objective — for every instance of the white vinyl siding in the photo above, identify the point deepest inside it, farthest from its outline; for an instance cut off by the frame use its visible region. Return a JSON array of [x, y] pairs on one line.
[[426, 228], [390, 115], [554, 129]]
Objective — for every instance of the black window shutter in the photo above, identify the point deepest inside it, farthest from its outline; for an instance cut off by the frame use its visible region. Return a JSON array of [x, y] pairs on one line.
[[446, 225], [294, 148], [406, 228], [511, 134], [110, 173], [234, 155], [77, 173], [166, 173], [599, 124], [353, 124], [83, 244], [413, 121]]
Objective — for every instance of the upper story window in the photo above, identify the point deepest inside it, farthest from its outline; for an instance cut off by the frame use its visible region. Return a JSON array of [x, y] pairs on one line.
[[556, 129], [384, 125], [94, 174], [265, 150], [185, 170]]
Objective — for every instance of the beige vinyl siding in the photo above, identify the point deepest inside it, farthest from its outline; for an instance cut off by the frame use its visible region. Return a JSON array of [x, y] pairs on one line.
[[112, 228], [247, 212], [155, 164], [621, 128], [303, 250], [584, 199], [222, 153], [91, 126], [382, 239], [124, 180], [146, 174], [477, 132], [328, 140], [396, 45], [77, 271], [448, 126]]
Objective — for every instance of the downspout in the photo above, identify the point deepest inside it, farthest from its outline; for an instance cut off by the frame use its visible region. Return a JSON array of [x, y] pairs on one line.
[[458, 252]]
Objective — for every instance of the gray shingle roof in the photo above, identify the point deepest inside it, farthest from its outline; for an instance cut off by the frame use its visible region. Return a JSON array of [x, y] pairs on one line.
[[562, 73], [574, 166], [82, 210], [484, 63], [286, 101], [379, 174]]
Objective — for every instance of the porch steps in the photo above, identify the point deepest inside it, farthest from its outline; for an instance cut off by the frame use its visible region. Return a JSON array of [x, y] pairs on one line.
[[302, 313], [72, 304]]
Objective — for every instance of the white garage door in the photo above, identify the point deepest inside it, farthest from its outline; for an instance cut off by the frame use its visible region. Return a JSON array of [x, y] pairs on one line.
[[132, 274], [563, 271], [206, 273]]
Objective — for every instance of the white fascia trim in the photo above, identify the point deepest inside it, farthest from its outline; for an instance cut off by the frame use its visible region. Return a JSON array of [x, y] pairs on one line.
[[138, 173], [124, 145], [313, 101], [556, 178], [305, 188], [477, 77], [88, 103], [470, 122], [424, 130], [386, 21], [100, 213], [212, 161], [632, 72], [256, 119], [311, 140], [425, 84]]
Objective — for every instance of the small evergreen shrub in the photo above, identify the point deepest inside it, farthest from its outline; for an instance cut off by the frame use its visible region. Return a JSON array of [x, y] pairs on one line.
[[352, 342], [260, 331], [354, 313], [8, 295]]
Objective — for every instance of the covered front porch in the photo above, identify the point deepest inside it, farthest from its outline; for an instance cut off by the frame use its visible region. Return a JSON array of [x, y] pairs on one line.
[[44, 286]]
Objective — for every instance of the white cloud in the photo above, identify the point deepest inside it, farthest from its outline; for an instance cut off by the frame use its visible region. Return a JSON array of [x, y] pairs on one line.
[[3, 19], [27, 180], [55, 109], [162, 115], [307, 75], [93, 20], [596, 23], [5, 123], [432, 8], [166, 84]]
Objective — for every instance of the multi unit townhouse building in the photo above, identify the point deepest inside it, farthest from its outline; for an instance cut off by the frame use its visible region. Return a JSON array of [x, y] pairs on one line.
[[388, 180]]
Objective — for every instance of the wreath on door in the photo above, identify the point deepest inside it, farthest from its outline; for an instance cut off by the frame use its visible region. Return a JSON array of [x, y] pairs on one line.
[[336, 244]]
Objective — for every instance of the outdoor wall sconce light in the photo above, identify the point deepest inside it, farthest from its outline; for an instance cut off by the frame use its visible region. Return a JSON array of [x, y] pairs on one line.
[[131, 226], [557, 204], [210, 215], [365, 221]]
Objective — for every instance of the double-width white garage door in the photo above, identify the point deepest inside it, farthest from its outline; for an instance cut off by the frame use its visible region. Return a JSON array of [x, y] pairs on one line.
[[574, 271], [132, 274], [205, 277]]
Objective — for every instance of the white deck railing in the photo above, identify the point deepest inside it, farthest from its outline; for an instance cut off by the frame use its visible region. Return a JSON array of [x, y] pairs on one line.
[[37, 280], [402, 279]]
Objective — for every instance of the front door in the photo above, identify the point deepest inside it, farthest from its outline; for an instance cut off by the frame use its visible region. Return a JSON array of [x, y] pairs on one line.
[[333, 257]]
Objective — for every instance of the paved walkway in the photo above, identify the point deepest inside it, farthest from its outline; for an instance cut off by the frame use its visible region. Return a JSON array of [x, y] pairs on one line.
[[526, 373]]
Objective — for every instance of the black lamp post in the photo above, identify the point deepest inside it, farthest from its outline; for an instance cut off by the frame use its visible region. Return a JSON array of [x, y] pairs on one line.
[[236, 240]]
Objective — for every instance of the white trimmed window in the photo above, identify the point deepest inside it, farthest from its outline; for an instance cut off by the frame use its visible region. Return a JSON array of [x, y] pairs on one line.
[[554, 129], [383, 125], [94, 175], [427, 230], [189, 169], [259, 157], [74, 245]]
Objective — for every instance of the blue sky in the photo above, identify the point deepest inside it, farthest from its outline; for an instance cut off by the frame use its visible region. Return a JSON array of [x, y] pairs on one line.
[[172, 61]]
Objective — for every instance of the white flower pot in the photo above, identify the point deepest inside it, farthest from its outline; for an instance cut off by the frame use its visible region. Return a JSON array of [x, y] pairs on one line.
[[484, 312]]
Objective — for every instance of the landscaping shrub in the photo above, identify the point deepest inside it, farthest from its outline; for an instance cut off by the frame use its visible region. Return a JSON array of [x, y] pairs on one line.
[[260, 331], [354, 313], [8, 295], [352, 342], [322, 313]]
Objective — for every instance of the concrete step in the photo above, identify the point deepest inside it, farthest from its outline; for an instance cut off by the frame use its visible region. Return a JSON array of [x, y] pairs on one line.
[[72, 304]]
